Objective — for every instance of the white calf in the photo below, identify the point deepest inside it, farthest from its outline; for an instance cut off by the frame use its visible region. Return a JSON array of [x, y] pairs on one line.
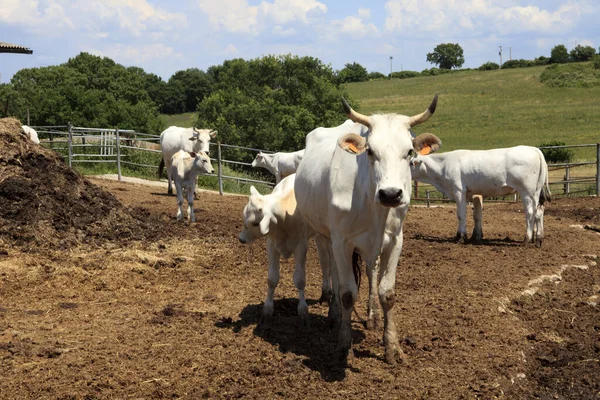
[[461, 174], [279, 164], [275, 215], [185, 168], [31, 133]]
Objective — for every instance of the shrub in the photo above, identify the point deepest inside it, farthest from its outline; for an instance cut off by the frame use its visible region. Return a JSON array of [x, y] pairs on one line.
[[375, 75], [556, 155], [488, 66], [596, 61], [571, 75], [520, 63], [405, 74], [541, 60]]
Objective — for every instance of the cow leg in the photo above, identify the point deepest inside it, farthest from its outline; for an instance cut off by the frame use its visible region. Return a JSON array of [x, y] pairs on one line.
[[477, 219], [387, 295], [272, 280], [461, 214], [539, 226], [334, 316], [348, 290], [190, 200], [373, 315], [300, 281], [323, 249], [179, 190], [530, 211], [169, 177]]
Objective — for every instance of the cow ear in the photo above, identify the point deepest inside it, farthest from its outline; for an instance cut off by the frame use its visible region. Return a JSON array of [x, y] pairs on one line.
[[353, 143], [253, 191], [426, 143], [264, 225], [212, 134], [193, 154], [193, 138]]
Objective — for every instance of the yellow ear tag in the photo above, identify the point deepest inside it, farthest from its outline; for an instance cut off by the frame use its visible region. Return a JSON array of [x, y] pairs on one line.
[[425, 150], [352, 148]]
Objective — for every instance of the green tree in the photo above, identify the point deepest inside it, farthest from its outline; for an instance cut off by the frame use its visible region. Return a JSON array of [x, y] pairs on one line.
[[559, 54], [582, 53], [447, 56], [353, 73], [376, 75], [272, 102], [196, 86]]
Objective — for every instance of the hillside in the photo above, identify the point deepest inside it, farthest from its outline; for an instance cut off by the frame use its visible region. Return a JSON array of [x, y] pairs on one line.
[[488, 109]]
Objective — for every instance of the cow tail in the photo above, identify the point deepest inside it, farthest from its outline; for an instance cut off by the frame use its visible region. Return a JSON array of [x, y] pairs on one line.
[[545, 194], [356, 268], [161, 166]]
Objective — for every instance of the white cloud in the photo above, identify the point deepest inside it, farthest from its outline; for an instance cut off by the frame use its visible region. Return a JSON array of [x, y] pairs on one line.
[[229, 50], [135, 55], [238, 17], [280, 31], [355, 27], [35, 15], [468, 16], [364, 13]]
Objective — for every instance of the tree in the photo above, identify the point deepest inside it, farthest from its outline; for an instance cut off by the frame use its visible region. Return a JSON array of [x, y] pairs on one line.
[[447, 56], [353, 73], [559, 54], [196, 86], [582, 53], [272, 102]]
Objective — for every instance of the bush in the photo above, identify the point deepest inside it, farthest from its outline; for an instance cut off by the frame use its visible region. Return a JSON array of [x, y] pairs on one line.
[[520, 63], [571, 75], [405, 74], [541, 60], [596, 61], [375, 75], [489, 66], [556, 155]]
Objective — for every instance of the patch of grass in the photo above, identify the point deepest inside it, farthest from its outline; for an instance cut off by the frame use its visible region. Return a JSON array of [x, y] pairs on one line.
[[184, 120]]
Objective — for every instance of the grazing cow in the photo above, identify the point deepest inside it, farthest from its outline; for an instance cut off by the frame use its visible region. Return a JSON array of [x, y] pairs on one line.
[[353, 186], [279, 164], [31, 133], [275, 215], [185, 168], [461, 174], [175, 138]]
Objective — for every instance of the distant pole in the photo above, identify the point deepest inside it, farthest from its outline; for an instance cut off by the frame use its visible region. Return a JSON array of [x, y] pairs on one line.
[[500, 53], [391, 58]]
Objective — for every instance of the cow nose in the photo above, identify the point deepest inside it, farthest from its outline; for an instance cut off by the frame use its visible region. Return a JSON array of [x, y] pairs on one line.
[[390, 195], [241, 240]]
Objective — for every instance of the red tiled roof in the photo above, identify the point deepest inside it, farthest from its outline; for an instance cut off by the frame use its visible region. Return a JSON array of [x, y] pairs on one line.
[[14, 48]]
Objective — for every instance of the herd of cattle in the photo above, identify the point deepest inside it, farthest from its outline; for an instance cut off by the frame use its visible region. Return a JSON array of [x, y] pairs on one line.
[[350, 189]]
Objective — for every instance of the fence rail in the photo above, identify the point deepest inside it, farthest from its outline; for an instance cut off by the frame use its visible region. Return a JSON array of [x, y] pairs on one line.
[[110, 144]]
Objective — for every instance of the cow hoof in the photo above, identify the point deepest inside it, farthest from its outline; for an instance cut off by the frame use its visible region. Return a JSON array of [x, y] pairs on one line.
[[373, 324], [538, 243], [266, 319], [395, 355], [305, 322], [325, 297], [343, 355]]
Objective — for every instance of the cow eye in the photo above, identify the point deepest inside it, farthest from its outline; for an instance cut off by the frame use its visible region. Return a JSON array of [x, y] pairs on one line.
[[369, 152], [411, 153], [255, 223]]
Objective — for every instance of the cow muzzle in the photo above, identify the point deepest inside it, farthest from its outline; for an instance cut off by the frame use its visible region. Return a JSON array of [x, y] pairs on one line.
[[390, 197]]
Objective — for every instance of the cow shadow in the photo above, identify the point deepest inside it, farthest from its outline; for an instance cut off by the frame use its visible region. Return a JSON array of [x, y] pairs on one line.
[[316, 343], [506, 242]]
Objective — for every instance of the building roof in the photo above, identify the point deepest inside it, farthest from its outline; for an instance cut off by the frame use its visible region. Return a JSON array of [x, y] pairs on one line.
[[14, 48]]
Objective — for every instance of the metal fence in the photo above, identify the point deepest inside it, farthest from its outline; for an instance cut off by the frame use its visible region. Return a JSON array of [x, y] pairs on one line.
[[97, 145]]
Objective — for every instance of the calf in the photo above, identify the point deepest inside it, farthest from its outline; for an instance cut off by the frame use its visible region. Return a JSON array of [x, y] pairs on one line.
[[275, 215], [31, 133], [185, 168], [279, 164], [461, 174]]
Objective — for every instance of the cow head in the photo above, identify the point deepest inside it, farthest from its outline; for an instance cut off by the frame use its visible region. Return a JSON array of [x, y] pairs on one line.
[[202, 162], [258, 160], [257, 217], [201, 139], [389, 148]]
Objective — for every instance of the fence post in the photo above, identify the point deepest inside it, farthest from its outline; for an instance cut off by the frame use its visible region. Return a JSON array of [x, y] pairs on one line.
[[427, 194], [118, 154], [219, 171], [567, 185], [416, 195], [70, 143], [597, 169]]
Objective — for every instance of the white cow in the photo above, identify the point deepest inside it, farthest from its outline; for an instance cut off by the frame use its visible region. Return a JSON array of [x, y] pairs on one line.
[[461, 174], [175, 138], [353, 186], [279, 164], [275, 215], [31, 133], [185, 168]]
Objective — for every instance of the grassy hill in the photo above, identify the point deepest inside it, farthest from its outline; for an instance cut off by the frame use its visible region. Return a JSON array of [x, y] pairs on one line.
[[184, 120], [490, 109]]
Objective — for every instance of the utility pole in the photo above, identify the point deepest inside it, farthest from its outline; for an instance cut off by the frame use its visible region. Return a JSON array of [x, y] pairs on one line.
[[500, 53], [391, 58]]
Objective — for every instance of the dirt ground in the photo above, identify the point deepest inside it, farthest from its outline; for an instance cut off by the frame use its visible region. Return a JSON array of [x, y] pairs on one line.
[[104, 295]]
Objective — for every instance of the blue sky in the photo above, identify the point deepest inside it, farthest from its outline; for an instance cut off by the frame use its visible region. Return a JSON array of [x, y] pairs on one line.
[[163, 37]]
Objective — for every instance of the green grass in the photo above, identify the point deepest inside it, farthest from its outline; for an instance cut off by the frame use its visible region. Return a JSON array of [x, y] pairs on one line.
[[184, 120], [491, 109]]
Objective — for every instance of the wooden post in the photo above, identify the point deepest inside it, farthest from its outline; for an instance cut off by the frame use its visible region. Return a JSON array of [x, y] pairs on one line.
[[219, 170], [118, 154], [427, 195], [567, 185], [597, 169]]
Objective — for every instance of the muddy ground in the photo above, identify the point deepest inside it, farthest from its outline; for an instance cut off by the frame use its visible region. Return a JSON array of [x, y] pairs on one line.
[[104, 295]]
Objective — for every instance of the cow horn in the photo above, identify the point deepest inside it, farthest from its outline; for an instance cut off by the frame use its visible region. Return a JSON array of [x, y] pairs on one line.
[[355, 116], [424, 116]]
